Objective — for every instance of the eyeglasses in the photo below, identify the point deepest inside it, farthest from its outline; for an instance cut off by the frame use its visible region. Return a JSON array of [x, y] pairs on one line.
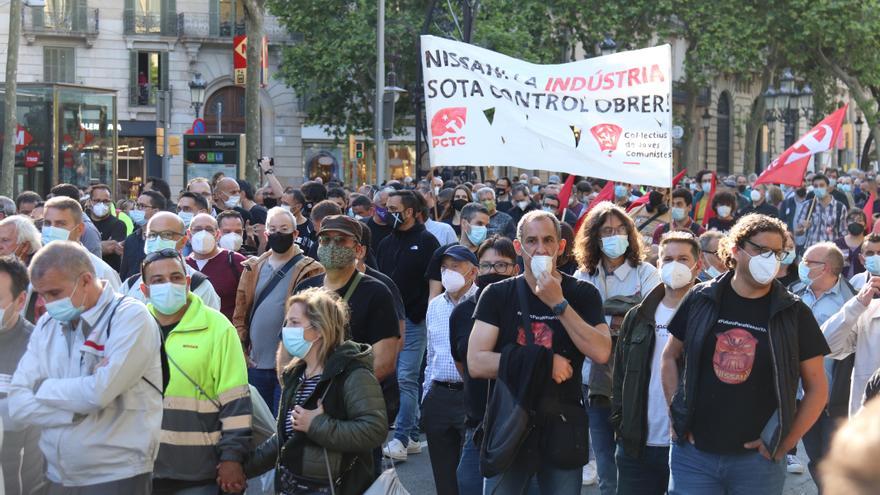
[[766, 252], [162, 254], [168, 235], [141, 206], [337, 240], [497, 267], [812, 262]]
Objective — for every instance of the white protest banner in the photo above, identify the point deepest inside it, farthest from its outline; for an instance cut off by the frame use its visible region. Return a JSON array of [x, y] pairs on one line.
[[607, 117]]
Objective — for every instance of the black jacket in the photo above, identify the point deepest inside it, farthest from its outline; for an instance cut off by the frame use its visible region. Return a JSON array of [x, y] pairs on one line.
[[404, 257], [702, 306], [632, 374], [132, 254]]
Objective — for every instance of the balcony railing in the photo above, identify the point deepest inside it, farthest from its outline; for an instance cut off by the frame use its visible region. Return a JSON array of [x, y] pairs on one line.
[[142, 95], [149, 23], [207, 26], [78, 22]]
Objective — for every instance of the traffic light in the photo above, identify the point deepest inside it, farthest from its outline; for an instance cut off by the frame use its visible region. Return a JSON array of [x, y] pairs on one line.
[[359, 151], [160, 141]]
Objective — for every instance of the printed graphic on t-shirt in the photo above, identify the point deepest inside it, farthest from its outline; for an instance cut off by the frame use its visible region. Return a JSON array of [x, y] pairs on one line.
[[541, 333], [734, 355]]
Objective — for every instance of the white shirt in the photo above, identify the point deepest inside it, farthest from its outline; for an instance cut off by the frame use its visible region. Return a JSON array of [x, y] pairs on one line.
[[444, 232], [859, 280], [625, 280], [440, 365], [658, 411], [104, 272], [205, 291]]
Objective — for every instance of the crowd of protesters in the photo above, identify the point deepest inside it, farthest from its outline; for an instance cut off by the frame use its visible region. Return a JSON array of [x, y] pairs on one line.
[[533, 336]]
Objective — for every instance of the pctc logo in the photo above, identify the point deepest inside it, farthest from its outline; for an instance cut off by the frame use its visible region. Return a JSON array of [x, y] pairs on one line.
[[448, 121]]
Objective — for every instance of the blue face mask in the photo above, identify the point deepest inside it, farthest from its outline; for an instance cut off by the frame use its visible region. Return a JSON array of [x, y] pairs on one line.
[[50, 234], [295, 342], [381, 212], [619, 191], [186, 217], [63, 309], [846, 187], [820, 192], [158, 244], [168, 298], [477, 234], [789, 258], [872, 264], [712, 271], [678, 214], [137, 216], [615, 246], [804, 274]]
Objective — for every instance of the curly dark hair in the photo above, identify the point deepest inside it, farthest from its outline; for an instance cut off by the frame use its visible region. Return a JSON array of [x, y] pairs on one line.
[[588, 243], [744, 229]]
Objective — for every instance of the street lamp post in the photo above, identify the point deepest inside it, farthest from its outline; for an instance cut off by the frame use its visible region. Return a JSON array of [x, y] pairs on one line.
[[706, 122], [787, 104], [197, 92], [859, 123]]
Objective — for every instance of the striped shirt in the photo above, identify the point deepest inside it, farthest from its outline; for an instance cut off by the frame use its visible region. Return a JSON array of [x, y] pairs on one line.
[[440, 366], [306, 389]]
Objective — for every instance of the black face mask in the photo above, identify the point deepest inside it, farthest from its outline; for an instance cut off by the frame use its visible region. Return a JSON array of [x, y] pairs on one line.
[[500, 192], [280, 242], [397, 219], [855, 228], [458, 204], [270, 202], [741, 189], [490, 278], [801, 192]]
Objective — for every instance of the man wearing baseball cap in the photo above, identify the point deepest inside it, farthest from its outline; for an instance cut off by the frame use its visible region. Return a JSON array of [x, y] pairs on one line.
[[443, 408]]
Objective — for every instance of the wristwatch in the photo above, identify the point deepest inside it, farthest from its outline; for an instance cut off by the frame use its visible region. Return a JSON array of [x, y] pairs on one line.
[[560, 308]]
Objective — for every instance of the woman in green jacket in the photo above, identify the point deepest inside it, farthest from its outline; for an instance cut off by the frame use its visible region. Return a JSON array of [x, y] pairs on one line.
[[332, 414]]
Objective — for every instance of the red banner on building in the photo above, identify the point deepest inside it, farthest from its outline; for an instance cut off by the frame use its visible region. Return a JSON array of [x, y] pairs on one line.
[[239, 60]]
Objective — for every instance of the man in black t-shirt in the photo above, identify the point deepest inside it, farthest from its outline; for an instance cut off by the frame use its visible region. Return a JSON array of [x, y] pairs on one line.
[[566, 318], [111, 228], [745, 342]]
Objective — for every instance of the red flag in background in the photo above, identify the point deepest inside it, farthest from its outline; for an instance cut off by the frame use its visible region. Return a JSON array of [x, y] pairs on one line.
[[565, 194], [606, 194], [790, 166], [678, 177], [869, 211], [709, 212]]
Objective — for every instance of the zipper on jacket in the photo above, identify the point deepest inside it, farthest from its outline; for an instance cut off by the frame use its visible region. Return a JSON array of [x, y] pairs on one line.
[[775, 385]]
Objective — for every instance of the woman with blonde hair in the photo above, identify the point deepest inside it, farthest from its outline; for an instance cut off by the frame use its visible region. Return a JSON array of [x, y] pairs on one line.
[[332, 414]]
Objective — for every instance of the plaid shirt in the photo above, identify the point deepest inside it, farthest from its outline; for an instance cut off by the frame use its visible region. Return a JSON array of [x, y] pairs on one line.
[[828, 222], [441, 366]]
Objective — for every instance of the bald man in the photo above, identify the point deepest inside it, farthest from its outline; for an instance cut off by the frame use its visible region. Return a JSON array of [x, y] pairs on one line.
[[91, 378], [165, 230], [222, 267]]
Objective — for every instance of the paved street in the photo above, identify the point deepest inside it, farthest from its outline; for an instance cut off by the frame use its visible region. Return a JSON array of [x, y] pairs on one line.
[[416, 476]]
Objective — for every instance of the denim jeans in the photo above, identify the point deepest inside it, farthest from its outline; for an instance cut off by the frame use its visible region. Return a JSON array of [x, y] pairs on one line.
[[470, 481], [816, 443], [693, 471], [266, 382], [519, 480], [602, 440], [409, 365], [648, 475]]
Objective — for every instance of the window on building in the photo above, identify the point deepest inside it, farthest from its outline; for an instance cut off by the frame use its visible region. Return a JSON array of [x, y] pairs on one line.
[[151, 17], [149, 73], [227, 17], [59, 64]]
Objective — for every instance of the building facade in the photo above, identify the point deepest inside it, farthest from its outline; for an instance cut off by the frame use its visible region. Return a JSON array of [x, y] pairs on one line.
[[140, 47]]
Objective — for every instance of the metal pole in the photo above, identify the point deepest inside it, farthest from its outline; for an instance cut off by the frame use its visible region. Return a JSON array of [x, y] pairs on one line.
[[380, 92], [166, 160], [219, 117], [11, 100]]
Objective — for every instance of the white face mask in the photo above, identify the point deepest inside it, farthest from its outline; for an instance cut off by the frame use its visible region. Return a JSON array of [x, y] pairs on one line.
[[723, 211], [233, 201], [615, 246], [50, 234], [231, 241], [762, 269], [203, 242], [541, 264], [756, 196], [100, 210], [452, 280], [522, 205], [676, 275]]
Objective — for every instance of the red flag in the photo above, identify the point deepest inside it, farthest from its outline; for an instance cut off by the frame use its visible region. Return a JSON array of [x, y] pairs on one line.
[[709, 212], [606, 194], [869, 210], [790, 166], [565, 193], [678, 177], [639, 202]]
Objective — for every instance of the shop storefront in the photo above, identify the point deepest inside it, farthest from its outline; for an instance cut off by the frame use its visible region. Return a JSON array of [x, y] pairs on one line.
[[66, 133]]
